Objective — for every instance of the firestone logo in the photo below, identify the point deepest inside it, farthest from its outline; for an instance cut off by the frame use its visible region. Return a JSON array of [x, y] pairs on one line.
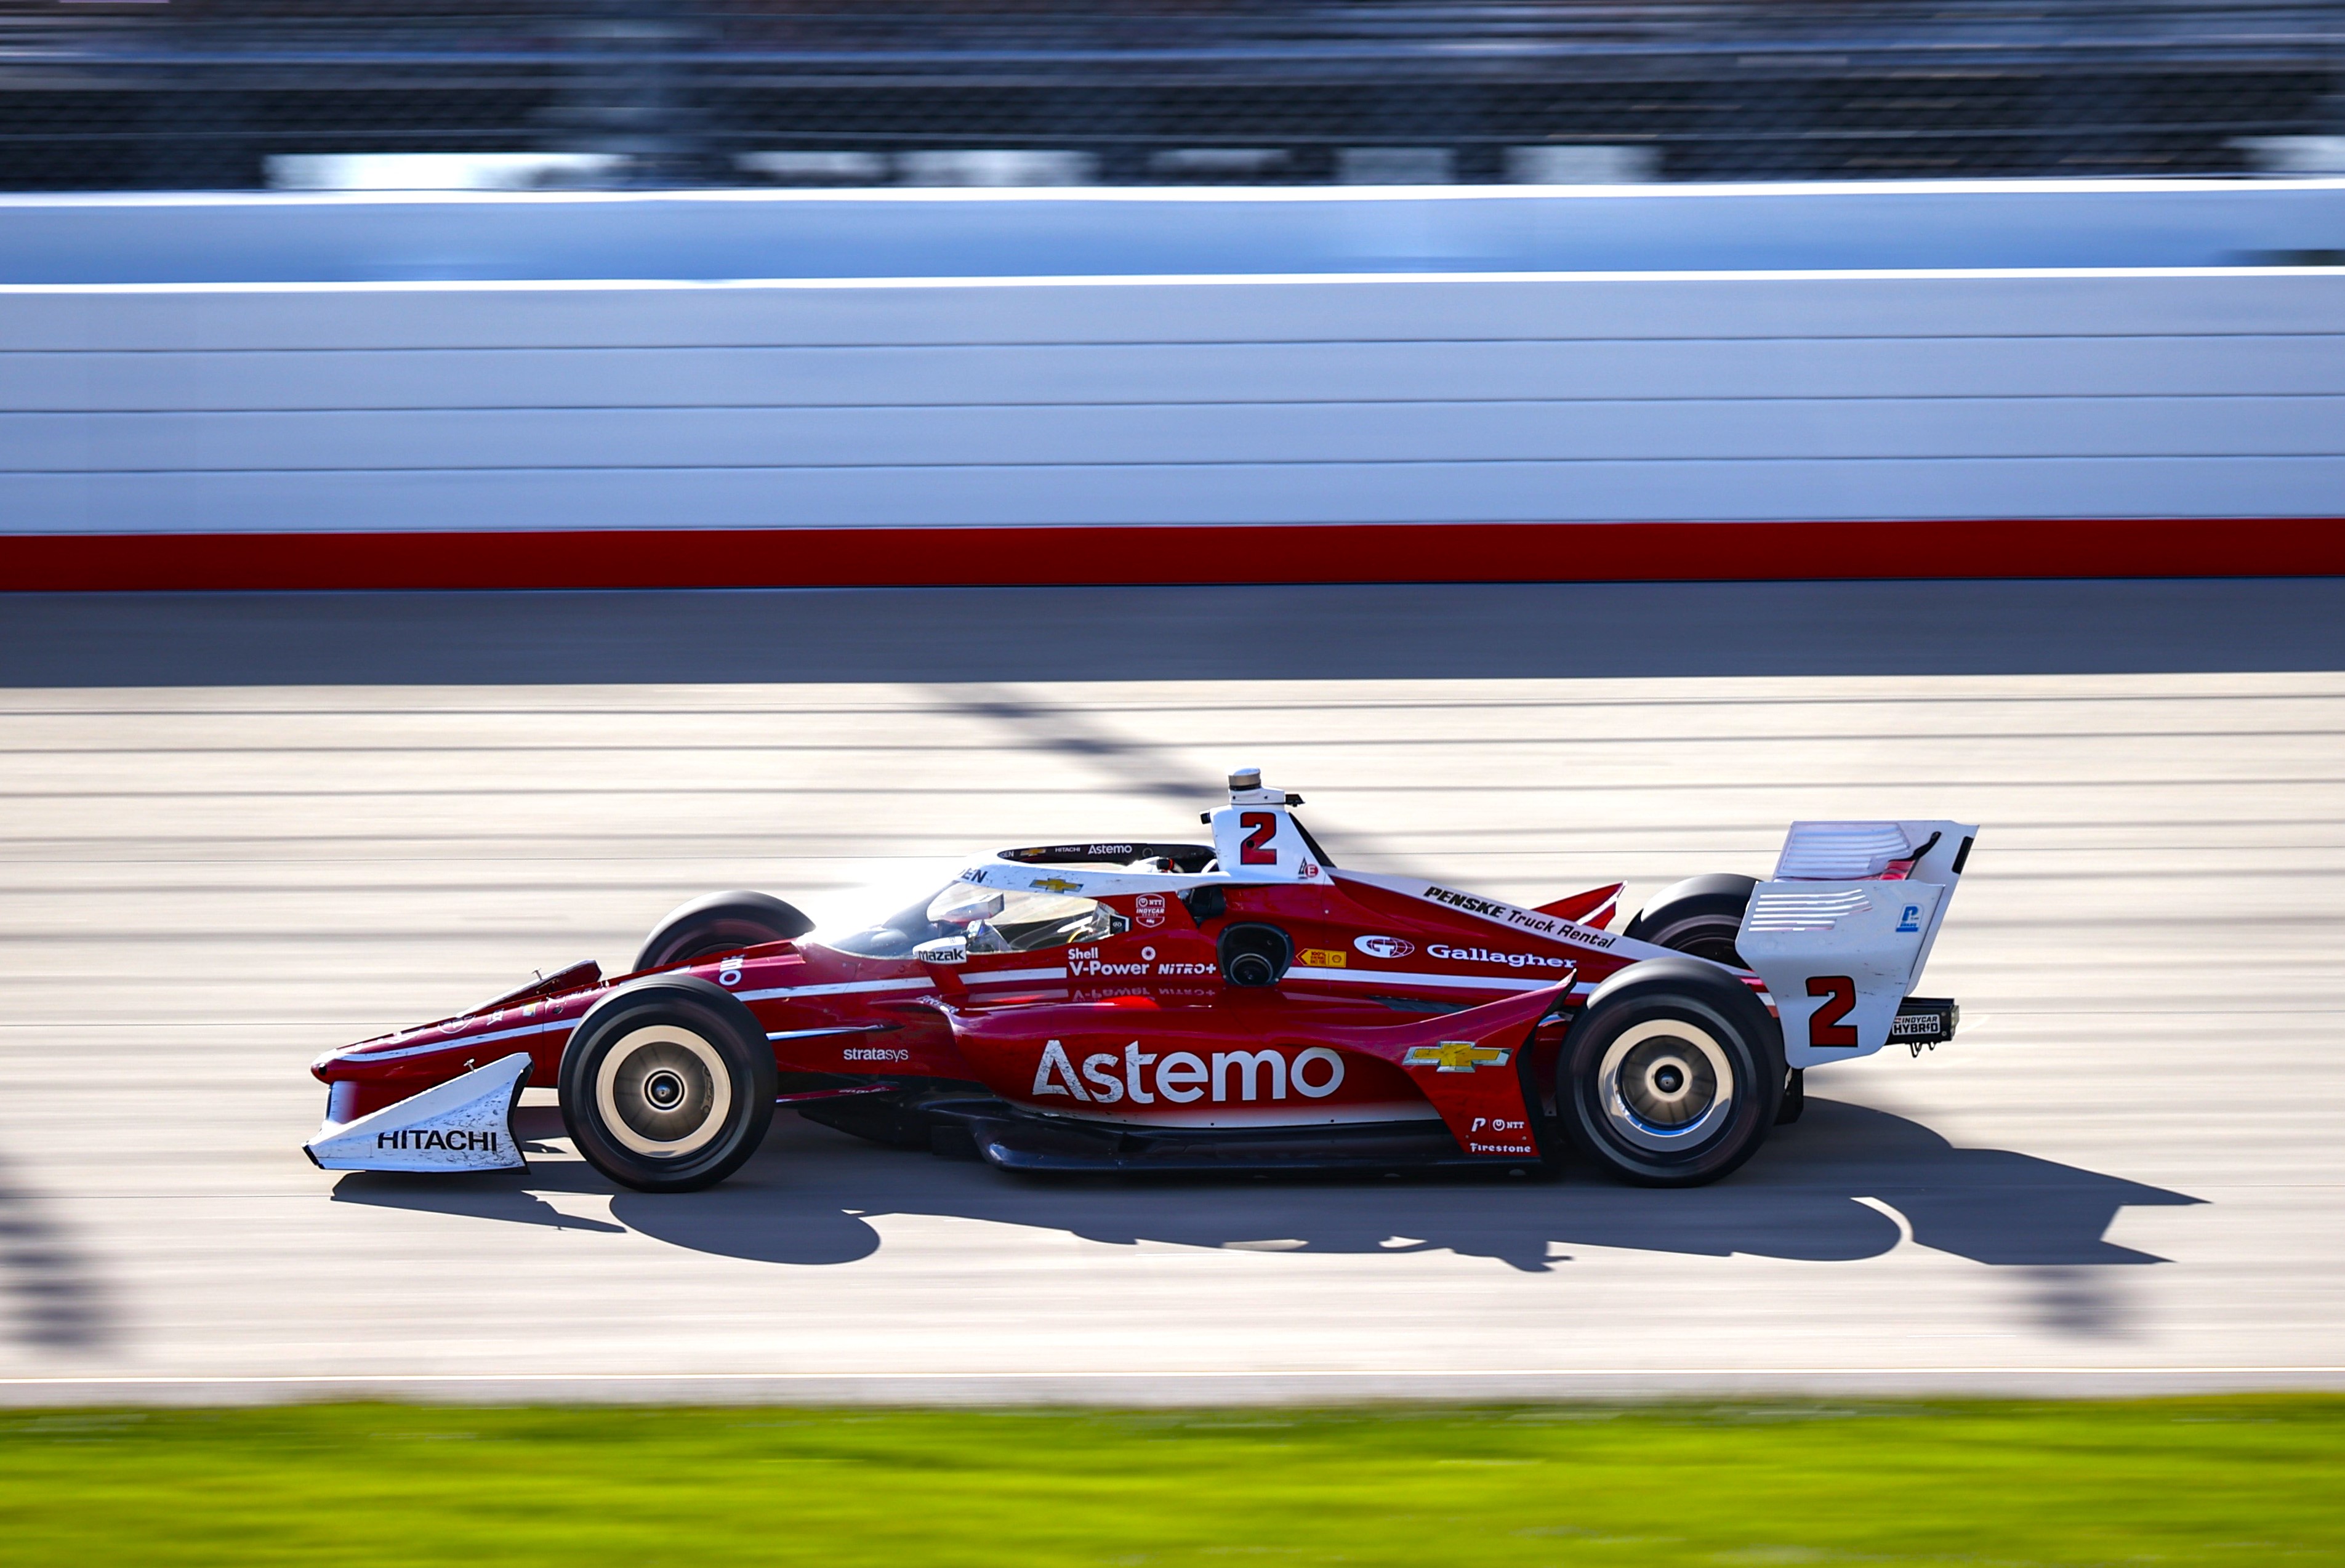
[[1183, 1077]]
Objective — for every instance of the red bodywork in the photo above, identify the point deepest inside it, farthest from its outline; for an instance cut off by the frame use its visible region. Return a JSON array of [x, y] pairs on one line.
[[1399, 1006]]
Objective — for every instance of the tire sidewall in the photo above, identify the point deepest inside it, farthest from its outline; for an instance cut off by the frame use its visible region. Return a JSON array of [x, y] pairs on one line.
[[1682, 989], [1714, 891], [1713, 904], [687, 1002], [1709, 917], [719, 923]]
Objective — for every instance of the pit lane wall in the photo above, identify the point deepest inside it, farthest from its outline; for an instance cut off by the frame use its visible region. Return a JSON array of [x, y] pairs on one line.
[[2152, 384]]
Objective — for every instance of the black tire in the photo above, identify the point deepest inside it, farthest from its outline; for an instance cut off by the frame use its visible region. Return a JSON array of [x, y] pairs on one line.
[[1672, 1075], [676, 1036], [1254, 954], [719, 923], [1702, 915]]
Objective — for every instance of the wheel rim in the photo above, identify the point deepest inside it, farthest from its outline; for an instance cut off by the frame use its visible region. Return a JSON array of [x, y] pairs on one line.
[[662, 1091], [1666, 1085]]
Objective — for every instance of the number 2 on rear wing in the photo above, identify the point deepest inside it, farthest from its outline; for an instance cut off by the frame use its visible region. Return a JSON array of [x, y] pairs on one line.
[[1842, 932]]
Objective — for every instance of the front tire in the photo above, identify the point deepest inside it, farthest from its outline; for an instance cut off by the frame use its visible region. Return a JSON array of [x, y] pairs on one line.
[[719, 923], [668, 1085], [1672, 1075]]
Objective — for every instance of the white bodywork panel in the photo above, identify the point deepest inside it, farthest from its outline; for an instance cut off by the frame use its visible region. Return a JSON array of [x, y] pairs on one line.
[[464, 1124], [1257, 840], [1839, 943]]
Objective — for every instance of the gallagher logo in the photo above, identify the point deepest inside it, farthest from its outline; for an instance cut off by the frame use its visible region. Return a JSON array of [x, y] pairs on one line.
[[1384, 946]]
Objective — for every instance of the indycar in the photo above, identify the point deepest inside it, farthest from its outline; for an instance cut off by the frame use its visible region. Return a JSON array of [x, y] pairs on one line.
[[1244, 1004]]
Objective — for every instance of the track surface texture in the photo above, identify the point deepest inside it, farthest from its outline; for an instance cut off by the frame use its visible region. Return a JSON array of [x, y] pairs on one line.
[[2125, 1175]]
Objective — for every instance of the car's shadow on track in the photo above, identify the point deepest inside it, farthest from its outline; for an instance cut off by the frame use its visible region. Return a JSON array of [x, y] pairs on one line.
[[51, 1294], [1831, 1189]]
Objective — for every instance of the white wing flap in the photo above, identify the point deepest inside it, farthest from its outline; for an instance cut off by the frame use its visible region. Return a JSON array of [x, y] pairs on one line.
[[464, 1124], [1842, 932]]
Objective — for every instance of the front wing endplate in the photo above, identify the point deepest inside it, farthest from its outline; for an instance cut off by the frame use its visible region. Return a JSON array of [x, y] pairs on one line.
[[464, 1124]]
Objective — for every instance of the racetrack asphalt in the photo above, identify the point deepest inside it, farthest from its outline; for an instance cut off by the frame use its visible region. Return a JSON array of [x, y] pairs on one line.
[[2126, 1176]]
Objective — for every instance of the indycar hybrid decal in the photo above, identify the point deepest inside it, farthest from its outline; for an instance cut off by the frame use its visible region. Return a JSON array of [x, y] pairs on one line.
[[1241, 1004]]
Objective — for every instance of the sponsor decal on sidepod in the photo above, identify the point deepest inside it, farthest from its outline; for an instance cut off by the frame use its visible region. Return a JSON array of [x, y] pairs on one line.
[[1184, 1077], [1086, 964], [1457, 1056], [1489, 955], [1528, 919]]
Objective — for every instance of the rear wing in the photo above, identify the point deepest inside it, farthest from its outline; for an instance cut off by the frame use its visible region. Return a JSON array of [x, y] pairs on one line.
[[1841, 931]]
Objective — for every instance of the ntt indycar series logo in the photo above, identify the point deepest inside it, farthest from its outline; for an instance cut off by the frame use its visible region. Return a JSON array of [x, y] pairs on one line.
[[1489, 955]]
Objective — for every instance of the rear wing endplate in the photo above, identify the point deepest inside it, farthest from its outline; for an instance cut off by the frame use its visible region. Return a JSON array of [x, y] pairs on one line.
[[1842, 932]]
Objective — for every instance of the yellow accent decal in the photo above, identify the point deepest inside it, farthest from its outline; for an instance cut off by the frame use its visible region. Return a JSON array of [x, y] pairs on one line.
[[1321, 958], [1457, 1056]]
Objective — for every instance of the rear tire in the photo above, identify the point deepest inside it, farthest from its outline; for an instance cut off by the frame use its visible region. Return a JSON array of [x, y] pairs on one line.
[[668, 1085], [721, 923], [1702, 915], [1672, 1075]]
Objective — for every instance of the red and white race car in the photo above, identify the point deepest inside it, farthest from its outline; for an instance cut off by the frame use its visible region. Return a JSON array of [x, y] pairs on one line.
[[1238, 1005]]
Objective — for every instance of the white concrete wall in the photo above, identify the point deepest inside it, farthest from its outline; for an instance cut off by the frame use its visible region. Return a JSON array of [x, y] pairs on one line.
[[2208, 392], [379, 236]]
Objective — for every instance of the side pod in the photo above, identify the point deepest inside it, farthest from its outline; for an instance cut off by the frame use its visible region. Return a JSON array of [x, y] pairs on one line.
[[1489, 1112], [464, 1124]]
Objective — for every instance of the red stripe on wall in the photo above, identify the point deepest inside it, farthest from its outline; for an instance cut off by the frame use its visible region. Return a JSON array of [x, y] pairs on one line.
[[1205, 553]]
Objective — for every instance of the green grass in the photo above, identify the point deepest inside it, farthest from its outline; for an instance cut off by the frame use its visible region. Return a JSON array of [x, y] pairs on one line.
[[2246, 1481]]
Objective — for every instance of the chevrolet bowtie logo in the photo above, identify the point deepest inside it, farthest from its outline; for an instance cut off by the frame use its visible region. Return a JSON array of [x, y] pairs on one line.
[[1457, 1056], [1055, 885]]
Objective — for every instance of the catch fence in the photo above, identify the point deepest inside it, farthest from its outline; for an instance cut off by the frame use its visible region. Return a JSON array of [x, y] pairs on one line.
[[241, 94]]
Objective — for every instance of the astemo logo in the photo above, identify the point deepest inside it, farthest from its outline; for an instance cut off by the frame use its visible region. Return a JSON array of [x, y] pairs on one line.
[[1184, 1076], [1384, 946]]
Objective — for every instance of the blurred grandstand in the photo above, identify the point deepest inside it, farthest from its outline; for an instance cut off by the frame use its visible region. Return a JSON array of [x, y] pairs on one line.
[[236, 94]]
